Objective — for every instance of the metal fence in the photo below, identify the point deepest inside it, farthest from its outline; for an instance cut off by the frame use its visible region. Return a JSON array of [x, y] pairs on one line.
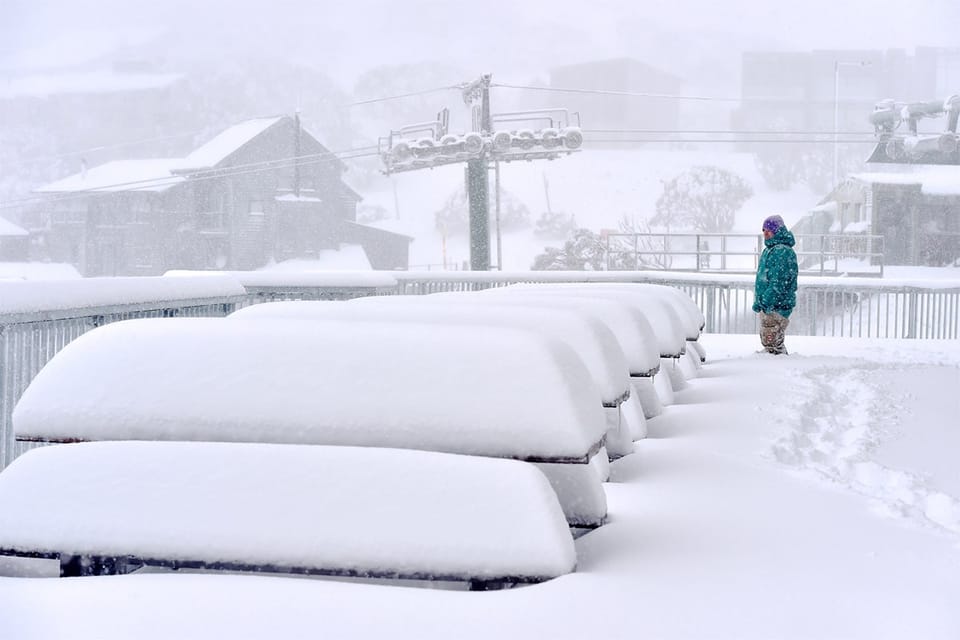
[[817, 254], [825, 307], [865, 308]]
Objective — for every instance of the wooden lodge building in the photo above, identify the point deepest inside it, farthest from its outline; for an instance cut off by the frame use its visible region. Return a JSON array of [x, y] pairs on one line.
[[262, 191]]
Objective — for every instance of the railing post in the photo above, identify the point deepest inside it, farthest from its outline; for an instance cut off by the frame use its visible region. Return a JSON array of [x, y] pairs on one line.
[[6, 432], [911, 315], [823, 258], [710, 298]]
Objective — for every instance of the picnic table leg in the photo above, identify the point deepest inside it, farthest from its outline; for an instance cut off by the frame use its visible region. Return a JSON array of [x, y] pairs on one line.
[[487, 585], [71, 566], [75, 566]]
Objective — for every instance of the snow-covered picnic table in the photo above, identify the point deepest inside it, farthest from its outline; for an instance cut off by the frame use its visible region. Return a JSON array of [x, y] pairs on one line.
[[107, 507]]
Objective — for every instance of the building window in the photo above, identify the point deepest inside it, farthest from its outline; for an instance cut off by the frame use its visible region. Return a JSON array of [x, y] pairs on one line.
[[256, 208]]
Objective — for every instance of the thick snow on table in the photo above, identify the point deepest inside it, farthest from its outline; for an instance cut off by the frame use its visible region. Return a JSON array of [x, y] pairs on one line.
[[503, 392], [667, 324], [636, 336], [364, 510], [592, 340]]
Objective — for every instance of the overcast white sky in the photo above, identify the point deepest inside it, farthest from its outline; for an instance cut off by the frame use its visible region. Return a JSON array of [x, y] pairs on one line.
[[509, 38], [401, 29]]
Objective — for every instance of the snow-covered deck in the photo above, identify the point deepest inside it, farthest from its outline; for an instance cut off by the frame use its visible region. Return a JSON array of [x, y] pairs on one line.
[[802, 497]]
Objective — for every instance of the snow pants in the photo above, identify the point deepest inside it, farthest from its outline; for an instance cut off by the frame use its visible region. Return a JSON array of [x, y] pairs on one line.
[[773, 330]]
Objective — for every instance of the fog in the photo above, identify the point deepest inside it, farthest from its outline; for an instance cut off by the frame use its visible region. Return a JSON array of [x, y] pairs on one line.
[[82, 84], [344, 39]]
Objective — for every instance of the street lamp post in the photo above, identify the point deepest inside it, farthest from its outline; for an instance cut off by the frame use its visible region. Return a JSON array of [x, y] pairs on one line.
[[836, 113]]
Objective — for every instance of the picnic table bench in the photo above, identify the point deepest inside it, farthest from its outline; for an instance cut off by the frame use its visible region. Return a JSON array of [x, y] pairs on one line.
[[112, 507]]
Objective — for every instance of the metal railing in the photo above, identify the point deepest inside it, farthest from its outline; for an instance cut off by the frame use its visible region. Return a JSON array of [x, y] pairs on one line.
[[817, 254], [839, 307], [863, 307]]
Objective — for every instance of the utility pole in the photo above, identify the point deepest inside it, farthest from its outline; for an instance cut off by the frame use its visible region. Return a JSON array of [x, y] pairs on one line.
[[478, 180]]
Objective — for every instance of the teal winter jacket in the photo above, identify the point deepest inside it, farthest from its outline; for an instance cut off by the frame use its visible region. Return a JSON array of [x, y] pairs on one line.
[[775, 289]]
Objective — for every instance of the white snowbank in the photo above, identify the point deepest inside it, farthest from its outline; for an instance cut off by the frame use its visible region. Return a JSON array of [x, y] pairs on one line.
[[500, 392], [87, 293], [363, 510]]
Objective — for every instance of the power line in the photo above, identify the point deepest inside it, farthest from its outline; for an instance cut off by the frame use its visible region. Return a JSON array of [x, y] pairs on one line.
[[68, 154], [209, 174], [185, 134], [731, 132], [628, 94], [729, 140], [402, 95]]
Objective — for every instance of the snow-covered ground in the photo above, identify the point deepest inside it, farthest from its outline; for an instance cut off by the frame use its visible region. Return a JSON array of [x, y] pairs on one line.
[[804, 497], [622, 183]]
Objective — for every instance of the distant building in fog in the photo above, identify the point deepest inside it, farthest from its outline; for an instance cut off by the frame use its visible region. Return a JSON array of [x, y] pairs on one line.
[[795, 91], [599, 111], [14, 242], [916, 208], [238, 202]]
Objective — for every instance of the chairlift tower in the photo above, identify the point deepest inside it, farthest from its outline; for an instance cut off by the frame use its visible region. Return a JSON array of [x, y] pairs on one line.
[[484, 144]]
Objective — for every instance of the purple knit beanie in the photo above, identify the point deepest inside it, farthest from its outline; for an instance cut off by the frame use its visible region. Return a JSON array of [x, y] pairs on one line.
[[773, 223]]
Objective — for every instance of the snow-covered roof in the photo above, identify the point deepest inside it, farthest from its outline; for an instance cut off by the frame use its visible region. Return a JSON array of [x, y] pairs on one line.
[[10, 230], [383, 226], [347, 509], [86, 293], [153, 174], [826, 207], [592, 340], [41, 85], [500, 392], [933, 180], [228, 142]]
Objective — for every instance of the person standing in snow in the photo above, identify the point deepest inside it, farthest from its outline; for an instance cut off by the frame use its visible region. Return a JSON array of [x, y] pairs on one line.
[[775, 289]]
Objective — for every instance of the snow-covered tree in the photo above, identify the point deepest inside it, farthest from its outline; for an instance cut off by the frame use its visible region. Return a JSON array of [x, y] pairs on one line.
[[703, 198], [583, 251]]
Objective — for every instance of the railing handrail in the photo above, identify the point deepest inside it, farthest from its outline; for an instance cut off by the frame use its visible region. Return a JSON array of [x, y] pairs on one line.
[[827, 247]]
